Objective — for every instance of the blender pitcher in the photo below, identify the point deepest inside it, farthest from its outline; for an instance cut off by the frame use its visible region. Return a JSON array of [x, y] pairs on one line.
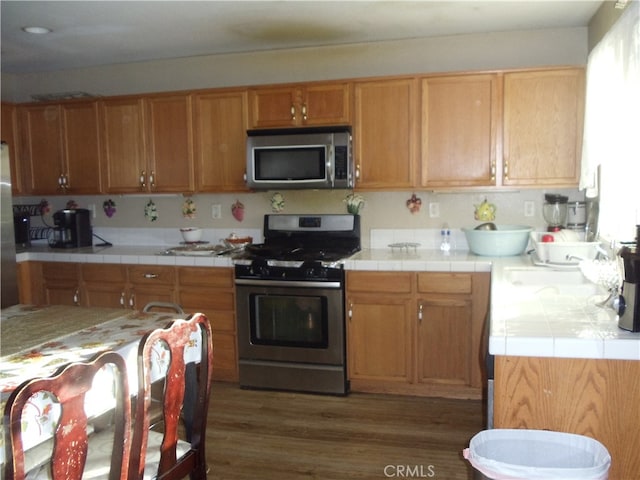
[[554, 211]]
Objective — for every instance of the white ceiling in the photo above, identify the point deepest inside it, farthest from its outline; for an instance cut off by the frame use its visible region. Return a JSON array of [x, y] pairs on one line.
[[91, 33]]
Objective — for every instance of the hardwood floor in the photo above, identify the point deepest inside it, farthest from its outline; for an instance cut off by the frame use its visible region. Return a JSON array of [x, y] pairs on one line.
[[279, 435]]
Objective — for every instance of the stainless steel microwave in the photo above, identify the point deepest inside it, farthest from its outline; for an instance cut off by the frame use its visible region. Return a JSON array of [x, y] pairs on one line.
[[299, 159]]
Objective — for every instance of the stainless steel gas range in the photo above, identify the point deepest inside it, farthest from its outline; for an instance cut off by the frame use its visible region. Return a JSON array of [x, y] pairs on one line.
[[290, 304]]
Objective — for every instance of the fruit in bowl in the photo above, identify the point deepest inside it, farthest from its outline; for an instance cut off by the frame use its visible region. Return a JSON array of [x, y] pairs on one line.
[[191, 234]]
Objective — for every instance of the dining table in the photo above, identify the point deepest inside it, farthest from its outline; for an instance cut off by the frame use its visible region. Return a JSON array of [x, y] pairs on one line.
[[36, 340]]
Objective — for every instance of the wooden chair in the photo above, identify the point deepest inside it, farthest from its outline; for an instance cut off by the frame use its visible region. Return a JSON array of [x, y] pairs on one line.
[[178, 450], [73, 451]]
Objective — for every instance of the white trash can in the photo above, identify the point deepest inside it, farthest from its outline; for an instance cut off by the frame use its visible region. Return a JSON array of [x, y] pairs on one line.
[[510, 454]]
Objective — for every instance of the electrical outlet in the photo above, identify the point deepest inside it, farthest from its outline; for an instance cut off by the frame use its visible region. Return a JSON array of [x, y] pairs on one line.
[[216, 211], [434, 210], [529, 208]]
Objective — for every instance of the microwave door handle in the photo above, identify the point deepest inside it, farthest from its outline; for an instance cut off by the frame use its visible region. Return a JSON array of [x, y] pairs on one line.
[[330, 166]]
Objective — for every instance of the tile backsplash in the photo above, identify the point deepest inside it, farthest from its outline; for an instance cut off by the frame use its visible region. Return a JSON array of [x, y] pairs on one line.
[[385, 218]]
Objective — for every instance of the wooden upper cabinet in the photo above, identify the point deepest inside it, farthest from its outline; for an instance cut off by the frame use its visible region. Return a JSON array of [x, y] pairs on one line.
[[300, 105], [125, 166], [81, 148], [220, 125], [41, 148], [60, 148], [543, 121], [148, 144], [386, 133], [459, 126], [8, 134], [170, 143]]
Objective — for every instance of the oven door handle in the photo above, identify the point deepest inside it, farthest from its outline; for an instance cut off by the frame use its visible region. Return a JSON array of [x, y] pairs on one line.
[[287, 283]]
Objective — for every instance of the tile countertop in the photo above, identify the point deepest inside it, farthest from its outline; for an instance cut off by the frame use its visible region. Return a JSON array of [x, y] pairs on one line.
[[563, 326]]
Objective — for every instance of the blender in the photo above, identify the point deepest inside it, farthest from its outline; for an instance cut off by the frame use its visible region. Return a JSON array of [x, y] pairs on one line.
[[628, 303], [554, 211]]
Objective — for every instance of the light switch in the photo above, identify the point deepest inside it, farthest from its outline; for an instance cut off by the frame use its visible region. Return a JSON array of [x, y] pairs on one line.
[[216, 211]]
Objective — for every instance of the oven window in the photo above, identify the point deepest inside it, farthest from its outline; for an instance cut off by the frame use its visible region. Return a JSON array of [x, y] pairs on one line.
[[306, 163], [289, 320]]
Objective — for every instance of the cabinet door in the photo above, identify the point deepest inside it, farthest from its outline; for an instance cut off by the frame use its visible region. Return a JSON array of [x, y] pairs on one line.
[[444, 340], [459, 126], [124, 167], [61, 283], [170, 144], [40, 127], [379, 338], [379, 326], [220, 121], [274, 107], [140, 295], [104, 285], [543, 119], [325, 104], [81, 173], [386, 133], [8, 134]]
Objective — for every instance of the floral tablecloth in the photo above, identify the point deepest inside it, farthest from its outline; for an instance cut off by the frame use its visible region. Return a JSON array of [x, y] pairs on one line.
[[73, 338]]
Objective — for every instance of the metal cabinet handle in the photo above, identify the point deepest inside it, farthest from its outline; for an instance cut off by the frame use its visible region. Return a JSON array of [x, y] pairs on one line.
[[358, 171], [293, 112], [350, 311], [76, 297], [493, 171], [152, 179], [506, 170], [132, 301], [143, 179], [420, 310], [122, 300], [304, 112], [150, 275]]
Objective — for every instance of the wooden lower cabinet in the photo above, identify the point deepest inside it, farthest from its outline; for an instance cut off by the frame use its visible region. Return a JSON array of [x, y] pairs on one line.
[[416, 333], [105, 285], [61, 283], [211, 291], [151, 283], [596, 398]]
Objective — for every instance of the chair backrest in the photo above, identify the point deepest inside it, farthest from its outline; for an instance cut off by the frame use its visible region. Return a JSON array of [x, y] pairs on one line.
[[71, 454], [185, 352], [163, 306]]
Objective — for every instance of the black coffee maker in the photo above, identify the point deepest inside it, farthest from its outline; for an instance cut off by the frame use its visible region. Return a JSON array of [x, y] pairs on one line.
[[72, 229], [629, 300]]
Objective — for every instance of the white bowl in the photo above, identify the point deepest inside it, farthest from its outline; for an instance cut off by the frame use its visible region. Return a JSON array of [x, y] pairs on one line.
[[505, 241], [191, 234]]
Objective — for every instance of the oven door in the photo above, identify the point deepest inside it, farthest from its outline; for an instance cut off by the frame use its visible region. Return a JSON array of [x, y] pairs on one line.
[[300, 322]]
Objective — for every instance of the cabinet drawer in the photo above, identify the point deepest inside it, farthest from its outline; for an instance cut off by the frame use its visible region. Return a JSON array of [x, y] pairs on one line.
[[151, 275], [204, 300], [455, 283], [204, 276], [100, 272], [374, 282], [55, 271]]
